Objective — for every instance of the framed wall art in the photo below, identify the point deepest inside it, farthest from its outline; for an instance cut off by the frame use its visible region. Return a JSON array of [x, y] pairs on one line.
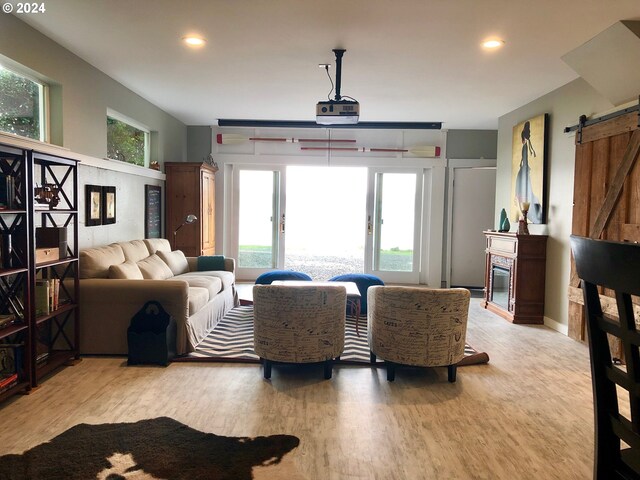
[[93, 205], [152, 213], [528, 169], [108, 205]]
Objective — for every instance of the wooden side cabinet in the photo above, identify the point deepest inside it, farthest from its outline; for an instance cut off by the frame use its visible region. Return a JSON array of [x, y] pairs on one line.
[[191, 190], [515, 276]]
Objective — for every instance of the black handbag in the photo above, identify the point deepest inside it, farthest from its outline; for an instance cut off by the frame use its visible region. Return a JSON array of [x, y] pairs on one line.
[[151, 336]]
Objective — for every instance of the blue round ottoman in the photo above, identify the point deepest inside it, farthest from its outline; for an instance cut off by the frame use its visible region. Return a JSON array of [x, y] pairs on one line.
[[268, 277], [363, 281]]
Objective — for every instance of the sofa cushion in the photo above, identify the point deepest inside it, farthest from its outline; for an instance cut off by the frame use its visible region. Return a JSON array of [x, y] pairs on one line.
[[227, 278], [175, 260], [135, 250], [126, 271], [198, 298], [212, 284], [154, 268], [157, 244], [95, 262]]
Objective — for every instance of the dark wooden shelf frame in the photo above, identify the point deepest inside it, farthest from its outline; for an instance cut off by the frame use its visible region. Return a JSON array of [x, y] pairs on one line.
[[24, 165]]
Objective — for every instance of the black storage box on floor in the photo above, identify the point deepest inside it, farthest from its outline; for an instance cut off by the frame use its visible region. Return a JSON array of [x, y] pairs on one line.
[[152, 336]]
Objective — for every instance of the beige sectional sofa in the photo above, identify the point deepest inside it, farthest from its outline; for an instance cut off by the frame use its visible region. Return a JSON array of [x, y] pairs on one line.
[[116, 281]]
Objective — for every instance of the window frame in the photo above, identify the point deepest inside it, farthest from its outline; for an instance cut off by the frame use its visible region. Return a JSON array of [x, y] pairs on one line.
[[138, 126], [43, 98]]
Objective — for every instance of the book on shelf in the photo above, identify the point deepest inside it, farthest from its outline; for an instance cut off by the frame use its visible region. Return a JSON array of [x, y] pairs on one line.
[[8, 381], [47, 296], [42, 358], [43, 342], [11, 358], [42, 297], [7, 192], [7, 319]]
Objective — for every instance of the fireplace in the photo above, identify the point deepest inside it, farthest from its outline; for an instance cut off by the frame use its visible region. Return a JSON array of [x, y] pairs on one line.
[[514, 276], [500, 286]]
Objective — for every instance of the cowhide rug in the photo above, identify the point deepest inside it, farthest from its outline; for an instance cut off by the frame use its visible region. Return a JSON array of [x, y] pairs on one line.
[[158, 448]]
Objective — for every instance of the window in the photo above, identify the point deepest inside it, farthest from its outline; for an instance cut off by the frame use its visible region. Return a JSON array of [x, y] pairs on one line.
[[127, 141], [21, 105]]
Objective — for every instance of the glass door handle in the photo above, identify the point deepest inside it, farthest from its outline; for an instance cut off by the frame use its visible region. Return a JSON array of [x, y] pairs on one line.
[[369, 226], [282, 225]]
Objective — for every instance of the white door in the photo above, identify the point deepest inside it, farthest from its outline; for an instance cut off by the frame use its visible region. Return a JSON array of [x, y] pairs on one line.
[[259, 219], [393, 224], [473, 202]]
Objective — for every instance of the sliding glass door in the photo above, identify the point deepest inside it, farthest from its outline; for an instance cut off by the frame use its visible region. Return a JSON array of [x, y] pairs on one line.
[[327, 221], [395, 226], [259, 220]]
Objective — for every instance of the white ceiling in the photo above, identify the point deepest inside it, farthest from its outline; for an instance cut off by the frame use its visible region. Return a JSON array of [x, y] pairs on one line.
[[406, 60]]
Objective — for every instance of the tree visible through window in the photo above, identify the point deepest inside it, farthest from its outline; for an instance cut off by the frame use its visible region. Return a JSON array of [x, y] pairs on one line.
[[126, 142], [21, 105]]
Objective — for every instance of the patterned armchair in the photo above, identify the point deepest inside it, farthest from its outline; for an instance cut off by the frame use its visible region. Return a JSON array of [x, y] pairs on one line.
[[418, 326], [299, 324]]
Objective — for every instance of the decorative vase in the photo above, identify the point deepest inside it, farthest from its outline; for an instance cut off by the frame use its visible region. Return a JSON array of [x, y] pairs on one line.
[[504, 222]]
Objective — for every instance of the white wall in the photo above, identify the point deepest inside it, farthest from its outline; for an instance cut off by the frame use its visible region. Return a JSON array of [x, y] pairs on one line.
[[564, 107], [86, 93], [81, 95]]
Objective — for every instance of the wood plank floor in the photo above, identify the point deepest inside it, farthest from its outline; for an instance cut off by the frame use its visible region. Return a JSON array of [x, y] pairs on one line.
[[527, 414]]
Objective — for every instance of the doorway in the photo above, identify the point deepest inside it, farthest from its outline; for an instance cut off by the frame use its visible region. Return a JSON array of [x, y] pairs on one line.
[[472, 199], [325, 220]]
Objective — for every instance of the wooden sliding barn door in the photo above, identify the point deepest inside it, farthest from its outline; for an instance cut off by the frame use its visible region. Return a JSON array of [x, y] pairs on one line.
[[606, 197]]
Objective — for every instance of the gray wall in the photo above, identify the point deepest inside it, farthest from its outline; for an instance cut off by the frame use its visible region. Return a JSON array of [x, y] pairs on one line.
[[129, 206], [198, 143], [80, 96], [472, 143], [564, 106]]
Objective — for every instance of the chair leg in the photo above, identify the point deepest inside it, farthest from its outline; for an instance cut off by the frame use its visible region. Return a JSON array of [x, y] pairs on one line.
[[372, 357], [391, 371], [452, 373], [267, 368], [328, 369]]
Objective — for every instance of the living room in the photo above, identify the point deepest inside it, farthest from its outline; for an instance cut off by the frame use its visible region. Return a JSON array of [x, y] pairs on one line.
[[529, 411]]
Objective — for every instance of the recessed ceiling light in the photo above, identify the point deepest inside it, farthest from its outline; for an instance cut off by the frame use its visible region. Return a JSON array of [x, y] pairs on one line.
[[194, 41], [493, 44]]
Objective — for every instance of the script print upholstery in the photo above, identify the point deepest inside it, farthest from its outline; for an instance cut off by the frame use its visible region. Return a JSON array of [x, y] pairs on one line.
[[418, 326], [296, 324]]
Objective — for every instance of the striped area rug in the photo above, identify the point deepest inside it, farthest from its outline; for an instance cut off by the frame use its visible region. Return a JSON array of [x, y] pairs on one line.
[[232, 341]]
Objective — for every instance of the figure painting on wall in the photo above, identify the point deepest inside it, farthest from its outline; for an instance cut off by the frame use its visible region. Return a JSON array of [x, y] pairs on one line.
[[528, 169], [108, 205]]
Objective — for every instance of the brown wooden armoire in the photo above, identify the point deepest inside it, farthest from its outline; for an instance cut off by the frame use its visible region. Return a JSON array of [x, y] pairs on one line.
[[606, 197], [191, 190]]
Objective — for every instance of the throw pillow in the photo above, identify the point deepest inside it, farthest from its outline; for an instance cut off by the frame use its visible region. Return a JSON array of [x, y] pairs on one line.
[[125, 271], [153, 268], [210, 262], [175, 260], [95, 262]]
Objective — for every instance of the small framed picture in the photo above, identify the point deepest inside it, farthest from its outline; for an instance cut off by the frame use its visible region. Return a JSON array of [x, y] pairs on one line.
[[108, 205], [93, 205]]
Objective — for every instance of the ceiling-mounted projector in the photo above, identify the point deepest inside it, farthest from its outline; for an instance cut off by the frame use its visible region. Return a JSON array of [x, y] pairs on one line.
[[343, 112], [337, 111]]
